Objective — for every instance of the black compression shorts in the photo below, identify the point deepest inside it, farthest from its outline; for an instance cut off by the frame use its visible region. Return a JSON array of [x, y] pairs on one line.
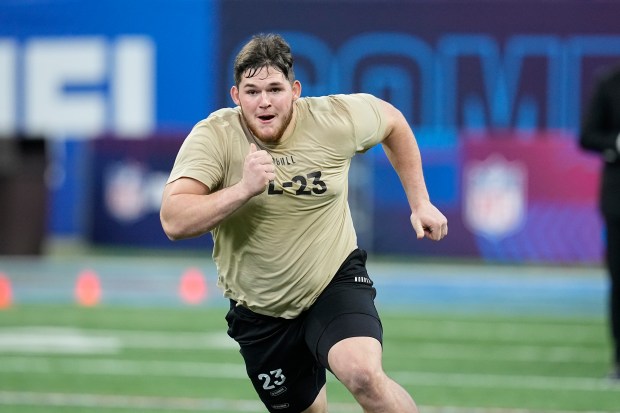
[[286, 359]]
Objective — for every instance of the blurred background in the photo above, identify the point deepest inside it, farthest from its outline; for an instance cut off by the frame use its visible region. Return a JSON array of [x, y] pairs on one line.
[[96, 98]]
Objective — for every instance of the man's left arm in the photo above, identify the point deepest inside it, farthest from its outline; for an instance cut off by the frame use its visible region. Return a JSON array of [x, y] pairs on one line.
[[599, 132], [403, 153]]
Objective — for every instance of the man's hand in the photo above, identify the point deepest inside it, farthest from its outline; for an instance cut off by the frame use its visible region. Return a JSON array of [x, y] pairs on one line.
[[428, 222], [258, 170]]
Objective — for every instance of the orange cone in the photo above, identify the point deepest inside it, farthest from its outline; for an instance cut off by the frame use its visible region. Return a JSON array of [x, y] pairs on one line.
[[193, 287], [88, 289], [6, 295]]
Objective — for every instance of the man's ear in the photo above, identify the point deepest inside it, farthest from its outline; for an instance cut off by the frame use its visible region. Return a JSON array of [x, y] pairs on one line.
[[234, 94], [296, 89]]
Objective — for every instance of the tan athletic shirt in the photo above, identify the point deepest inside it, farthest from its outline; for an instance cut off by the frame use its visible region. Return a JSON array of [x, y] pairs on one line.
[[277, 253]]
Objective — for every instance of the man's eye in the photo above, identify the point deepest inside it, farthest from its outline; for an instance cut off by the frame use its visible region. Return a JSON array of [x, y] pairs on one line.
[[275, 90]]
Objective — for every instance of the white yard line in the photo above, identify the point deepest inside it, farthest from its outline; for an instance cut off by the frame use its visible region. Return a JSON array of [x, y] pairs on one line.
[[132, 402], [115, 367], [79, 341], [92, 401], [67, 340], [501, 352], [82, 366], [502, 331], [508, 381]]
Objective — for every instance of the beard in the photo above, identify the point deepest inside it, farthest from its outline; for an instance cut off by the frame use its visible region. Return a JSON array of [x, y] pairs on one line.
[[272, 137]]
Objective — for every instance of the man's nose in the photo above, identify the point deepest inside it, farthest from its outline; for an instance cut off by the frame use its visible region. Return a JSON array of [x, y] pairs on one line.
[[264, 99]]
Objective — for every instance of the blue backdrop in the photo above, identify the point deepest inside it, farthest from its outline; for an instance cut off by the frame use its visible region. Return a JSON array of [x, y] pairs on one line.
[[84, 73]]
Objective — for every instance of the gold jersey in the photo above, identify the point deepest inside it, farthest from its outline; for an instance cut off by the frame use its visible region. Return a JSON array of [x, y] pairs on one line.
[[278, 252]]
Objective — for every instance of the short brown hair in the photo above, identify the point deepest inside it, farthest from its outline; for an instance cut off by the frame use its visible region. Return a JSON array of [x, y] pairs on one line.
[[261, 51]]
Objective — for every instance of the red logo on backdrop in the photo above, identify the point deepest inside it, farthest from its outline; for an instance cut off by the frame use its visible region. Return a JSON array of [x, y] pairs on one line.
[[132, 190], [495, 196]]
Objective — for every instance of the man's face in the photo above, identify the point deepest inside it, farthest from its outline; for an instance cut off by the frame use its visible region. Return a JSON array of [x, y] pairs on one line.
[[266, 101]]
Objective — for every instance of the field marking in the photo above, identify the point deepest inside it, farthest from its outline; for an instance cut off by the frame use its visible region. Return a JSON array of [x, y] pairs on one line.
[[503, 352], [71, 340], [28, 365], [495, 381], [55, 341], [122, 367], [94, 401], [479, 330], [133, 402], [68, 340]]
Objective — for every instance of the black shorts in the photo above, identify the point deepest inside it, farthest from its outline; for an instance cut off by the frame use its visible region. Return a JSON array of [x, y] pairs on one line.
[[286, 359]]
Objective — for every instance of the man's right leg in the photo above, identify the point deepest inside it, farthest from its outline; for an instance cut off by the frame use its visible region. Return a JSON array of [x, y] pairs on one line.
[[284, 373], [613, 266], [320, 404]]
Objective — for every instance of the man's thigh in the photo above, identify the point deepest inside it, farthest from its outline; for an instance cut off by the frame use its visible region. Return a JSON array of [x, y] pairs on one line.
[[284, 373], [345, 309]]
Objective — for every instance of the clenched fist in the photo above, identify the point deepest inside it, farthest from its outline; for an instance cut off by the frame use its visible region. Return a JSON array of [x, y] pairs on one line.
[[258, 170]]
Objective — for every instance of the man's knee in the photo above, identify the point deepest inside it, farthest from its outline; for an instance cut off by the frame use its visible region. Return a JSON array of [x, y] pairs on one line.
[[363, 381]]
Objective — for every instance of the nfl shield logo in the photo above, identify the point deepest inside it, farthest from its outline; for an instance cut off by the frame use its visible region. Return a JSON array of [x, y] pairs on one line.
[[495, 196]]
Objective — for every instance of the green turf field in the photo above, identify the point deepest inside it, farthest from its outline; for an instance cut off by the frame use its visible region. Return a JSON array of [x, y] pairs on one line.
[[178, 359]]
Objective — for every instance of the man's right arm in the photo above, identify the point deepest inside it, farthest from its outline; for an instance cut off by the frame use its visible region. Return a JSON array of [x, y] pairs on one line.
[[189, 209]]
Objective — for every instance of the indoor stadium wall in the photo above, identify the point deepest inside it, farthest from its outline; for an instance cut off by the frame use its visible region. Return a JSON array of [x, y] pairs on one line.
[[493, 90]]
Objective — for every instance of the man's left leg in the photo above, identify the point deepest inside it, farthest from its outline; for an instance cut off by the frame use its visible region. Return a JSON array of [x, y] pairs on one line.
[[343, 330], [356, 362]]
